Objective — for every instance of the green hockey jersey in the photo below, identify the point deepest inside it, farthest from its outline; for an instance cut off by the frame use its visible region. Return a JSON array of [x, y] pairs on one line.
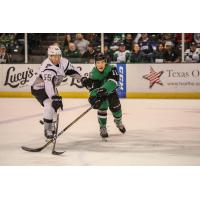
[[107, 79]]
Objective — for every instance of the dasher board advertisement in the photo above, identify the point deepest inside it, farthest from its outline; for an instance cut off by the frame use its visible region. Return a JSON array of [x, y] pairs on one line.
[[163, 78]]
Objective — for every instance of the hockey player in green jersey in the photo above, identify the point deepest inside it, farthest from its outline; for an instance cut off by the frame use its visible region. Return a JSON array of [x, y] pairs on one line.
[[102, 84]]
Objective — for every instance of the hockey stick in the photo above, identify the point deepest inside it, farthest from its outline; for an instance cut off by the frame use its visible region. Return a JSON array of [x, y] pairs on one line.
[[61, 132], [54, 152]]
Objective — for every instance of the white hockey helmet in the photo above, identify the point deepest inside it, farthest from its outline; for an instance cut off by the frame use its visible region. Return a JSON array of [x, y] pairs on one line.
[[54, 50]]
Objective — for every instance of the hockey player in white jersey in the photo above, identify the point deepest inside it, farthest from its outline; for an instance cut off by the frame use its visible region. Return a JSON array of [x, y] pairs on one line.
[[44, 88]]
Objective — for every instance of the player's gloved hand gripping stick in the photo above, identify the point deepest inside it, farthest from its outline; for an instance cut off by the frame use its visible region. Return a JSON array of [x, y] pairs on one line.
[[97, 100]]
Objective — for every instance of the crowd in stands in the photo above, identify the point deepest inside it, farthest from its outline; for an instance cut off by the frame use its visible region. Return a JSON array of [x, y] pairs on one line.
[[11, 47], [118, 47], [151, 48], [81, 47]]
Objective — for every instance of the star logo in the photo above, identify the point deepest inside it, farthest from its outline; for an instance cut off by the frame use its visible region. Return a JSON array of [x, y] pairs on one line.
[[153, 77]]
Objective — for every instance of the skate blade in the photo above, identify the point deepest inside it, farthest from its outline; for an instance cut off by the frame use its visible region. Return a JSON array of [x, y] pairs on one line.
[[123, 131]]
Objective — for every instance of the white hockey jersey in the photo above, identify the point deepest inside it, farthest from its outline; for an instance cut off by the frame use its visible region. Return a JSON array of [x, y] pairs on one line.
[[51, 76]]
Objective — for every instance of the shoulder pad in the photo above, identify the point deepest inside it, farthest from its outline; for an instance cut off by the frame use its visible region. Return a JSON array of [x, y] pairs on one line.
[[64, 60], [49, 71], [113, 74]]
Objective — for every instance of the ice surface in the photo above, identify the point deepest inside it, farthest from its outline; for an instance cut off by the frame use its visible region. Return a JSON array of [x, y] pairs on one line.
[[159, 132]]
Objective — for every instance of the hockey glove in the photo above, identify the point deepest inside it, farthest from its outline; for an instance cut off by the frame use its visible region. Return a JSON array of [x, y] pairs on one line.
[[102, 94], [95, 103], [100, 97], [86, 82], [57, 102]]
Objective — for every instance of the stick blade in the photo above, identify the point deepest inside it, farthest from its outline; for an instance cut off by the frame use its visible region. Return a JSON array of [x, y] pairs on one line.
[[31, 149], [57, 152]]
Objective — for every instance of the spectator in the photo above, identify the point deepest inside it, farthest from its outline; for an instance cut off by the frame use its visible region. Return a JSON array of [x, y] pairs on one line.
[[117, 38], [8, 39], [67, 40], [71, 51], [192, 54], [108, 38], [128, 41], [171, 55], [166, 37], [108, 53], [89, 54], [154, 38], [4, 56], [136, 55], [122, 55], [197, 39], [81, 43], [146, 46], [158, 56], [94, 38], [137, 37]]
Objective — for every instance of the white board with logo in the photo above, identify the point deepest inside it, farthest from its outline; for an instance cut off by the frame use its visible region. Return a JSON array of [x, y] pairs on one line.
[[139, 78], [18, 77], [163, 77]]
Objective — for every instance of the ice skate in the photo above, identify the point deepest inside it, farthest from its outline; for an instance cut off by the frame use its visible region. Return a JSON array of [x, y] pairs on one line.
[[103, 133], [49, 134], [120, 126], [49, 130]]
